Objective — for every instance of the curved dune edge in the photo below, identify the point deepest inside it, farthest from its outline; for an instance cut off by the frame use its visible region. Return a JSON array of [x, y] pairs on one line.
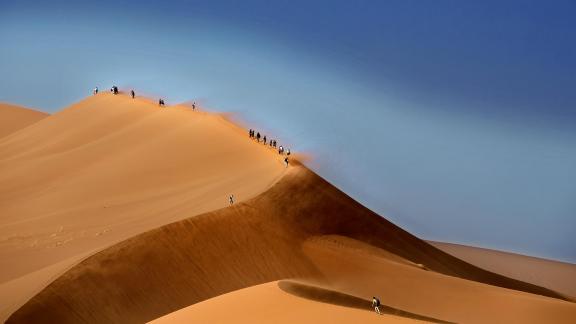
[[14, 118], [555, 275], [257, 241], [270, 303], [106, 169]]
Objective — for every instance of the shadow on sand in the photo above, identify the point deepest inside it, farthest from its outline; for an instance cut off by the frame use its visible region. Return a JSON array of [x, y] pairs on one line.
[[341, 299]]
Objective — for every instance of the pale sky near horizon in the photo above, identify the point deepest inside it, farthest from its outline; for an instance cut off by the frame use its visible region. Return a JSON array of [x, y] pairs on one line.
[[456, 121]]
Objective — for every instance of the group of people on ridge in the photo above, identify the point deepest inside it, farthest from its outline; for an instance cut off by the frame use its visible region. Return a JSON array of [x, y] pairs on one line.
[[273, 143], [114, 90]]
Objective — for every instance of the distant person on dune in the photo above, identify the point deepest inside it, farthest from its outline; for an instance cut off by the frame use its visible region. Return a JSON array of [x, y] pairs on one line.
[[231, 198], [376, 305], [258, 137], [286, 161], [194, 106], [161, 102], [95, 92], [132, 94], [114, 90], [264, 139], [288, 152]]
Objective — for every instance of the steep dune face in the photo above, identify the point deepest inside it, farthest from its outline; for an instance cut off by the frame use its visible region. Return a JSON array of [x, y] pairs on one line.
[[13, 118], [108, 168], [260, 240]]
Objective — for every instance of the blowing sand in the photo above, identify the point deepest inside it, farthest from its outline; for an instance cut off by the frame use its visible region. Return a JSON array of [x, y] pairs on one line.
[[116, 211]]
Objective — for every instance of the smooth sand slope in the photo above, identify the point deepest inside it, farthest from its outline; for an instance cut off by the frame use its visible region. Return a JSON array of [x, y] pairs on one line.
[[13, 118], [304, 229], [556, 275], [106, 169], [268, 303]]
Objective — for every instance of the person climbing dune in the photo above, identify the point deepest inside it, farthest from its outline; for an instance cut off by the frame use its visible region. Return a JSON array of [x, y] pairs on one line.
[[376, 305]]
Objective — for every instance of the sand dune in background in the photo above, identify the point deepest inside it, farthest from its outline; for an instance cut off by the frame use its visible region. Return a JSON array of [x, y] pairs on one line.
[[13, 118], [556, 275], [108, 168]]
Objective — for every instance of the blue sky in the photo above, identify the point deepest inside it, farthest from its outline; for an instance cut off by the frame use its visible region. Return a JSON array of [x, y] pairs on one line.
[[457, 121]]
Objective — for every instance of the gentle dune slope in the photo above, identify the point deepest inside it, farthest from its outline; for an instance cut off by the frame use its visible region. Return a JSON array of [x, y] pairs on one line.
[[267, 303], [278, 234], [108, 168], [558, 276], [13, 118]]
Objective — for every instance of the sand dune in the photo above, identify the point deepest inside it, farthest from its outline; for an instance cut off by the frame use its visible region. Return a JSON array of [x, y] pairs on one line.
[[555, 275], [148, 188], [268, 303], [13, 118], [260, 240], [108, 168]]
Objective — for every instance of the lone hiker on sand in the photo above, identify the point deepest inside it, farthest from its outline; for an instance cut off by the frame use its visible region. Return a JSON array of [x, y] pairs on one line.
[[231, 198], [132, 94], [376, 305], [161, 102], [194, 105]]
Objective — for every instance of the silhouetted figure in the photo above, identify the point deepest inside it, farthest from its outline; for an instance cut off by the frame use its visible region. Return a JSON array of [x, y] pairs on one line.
[[250, 133], [161, 102], [231, 198], [258, 137], [280, 150], [286, 161], [194, 106], [114, 90], [376, 305], [288, 152], [132, 94], [264, 139]]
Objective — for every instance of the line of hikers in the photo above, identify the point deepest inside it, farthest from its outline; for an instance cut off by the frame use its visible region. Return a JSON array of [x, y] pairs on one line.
[[273, 143], [114, 90]]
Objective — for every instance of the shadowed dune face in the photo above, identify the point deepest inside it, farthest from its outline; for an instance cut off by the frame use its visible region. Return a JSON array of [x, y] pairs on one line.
[[106, 169], [257, 241], [14, 118]]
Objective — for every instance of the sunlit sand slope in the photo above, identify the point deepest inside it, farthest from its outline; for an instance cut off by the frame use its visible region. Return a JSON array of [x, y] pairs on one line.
[[106, 169]]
